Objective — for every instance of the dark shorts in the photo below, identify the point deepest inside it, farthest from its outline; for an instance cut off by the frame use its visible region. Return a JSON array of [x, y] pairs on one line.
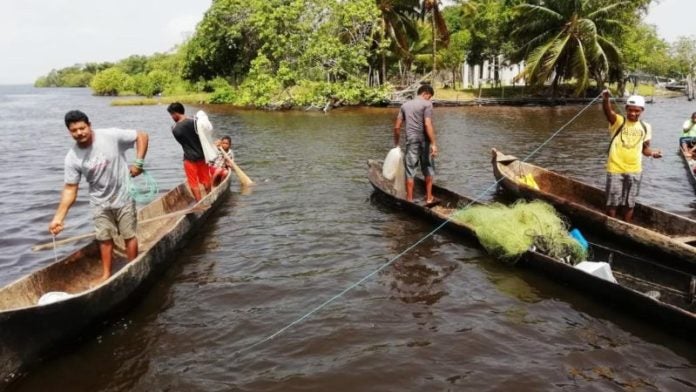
[[111, 222], [622, 189], [418, 153], [689, 140]]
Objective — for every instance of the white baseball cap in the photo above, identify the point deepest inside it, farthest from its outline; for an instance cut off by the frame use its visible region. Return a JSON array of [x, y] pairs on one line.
[[636, 100]]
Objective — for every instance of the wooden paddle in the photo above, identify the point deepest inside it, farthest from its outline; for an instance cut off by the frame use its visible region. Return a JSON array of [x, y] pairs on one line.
[[49, 245], [244, 180]]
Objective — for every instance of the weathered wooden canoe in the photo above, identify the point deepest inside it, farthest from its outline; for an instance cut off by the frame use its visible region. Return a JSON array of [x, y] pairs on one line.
[[664, 234], [690, 164], [29, 331], [638, 280]]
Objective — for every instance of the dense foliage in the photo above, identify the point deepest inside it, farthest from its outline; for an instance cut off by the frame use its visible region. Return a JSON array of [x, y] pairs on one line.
[[280, 53]]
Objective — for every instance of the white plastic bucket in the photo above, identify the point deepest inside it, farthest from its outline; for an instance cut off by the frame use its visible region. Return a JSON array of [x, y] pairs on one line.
[[54, 296]]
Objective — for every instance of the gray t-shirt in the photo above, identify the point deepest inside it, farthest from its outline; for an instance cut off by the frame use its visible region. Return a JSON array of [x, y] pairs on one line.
[[104, 166], [414, 113]]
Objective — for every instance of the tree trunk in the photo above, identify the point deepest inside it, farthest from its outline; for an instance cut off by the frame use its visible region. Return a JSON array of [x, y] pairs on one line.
[[554, 86], [434, 48], [383, 73]]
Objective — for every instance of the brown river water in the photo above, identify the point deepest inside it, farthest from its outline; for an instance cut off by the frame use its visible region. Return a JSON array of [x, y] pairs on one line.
[[444, 317]]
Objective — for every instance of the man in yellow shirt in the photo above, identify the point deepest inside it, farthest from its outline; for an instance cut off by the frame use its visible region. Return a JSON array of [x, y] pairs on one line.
[[630, 138]]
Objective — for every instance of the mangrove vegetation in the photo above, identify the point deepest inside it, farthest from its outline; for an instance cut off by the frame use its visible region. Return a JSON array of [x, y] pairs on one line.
[[323, 53]]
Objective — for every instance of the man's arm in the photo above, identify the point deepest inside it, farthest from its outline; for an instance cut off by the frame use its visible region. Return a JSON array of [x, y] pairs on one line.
[[141, 142], [397, 130], [67, 198], [430, 132], [608, 110], [649, 152]]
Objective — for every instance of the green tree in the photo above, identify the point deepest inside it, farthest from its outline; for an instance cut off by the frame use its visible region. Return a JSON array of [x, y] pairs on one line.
[[490, 24], [142, 85], [430, 9], [644, 51], [399, 27], [340, 48], [569, 39], [133, 65], [684, 55], [224, 43], [110, 81], [454, 55]]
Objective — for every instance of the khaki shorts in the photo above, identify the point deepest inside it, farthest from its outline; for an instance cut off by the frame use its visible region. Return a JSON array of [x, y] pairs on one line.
[[111, 222], [418, 153], [622, 189]]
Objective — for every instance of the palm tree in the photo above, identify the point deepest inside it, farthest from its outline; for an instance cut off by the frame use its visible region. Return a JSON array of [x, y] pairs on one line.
[[437, 24], [567, 39], [399, 25]]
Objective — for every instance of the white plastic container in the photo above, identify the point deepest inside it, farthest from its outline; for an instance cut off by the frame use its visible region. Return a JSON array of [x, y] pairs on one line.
[[599, 269]]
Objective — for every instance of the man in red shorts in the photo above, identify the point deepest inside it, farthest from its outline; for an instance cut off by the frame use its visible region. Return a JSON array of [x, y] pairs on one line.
[[195, 166]]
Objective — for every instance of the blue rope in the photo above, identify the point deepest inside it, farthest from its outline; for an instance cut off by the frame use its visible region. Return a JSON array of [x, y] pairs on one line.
[[146, 192], [391, 261]]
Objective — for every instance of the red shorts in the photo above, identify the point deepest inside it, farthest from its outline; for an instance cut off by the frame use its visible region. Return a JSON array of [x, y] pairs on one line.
[[197, 172]]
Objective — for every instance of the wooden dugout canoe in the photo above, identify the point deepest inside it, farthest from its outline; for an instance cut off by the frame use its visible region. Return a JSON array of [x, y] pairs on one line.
[[636, 277], [29, 332], [690, 164], [666, 235]]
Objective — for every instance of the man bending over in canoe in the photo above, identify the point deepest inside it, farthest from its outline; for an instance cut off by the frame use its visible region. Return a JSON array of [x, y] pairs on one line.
[[99, 156], [195, 166], [417, 114], [630, 138]]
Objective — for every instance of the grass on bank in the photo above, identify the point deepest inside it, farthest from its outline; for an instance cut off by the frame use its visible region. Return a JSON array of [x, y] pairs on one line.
[[449, 94], [441, 93], [190, 99]]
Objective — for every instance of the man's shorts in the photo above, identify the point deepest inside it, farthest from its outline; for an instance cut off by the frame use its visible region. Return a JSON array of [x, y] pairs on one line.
[[416, 153], [110, 222], [622, 189], [688, 140], [197, 172]]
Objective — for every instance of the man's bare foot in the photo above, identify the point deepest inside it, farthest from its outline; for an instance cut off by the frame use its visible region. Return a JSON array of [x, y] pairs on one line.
[[98, 282], [432, 202]]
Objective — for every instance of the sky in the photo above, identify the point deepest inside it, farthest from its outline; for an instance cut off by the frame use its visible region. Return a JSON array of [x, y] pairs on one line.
[[673, 18], [37, 36]]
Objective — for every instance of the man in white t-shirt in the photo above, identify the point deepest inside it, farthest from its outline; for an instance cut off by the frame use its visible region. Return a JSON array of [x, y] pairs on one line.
[[99, 156]]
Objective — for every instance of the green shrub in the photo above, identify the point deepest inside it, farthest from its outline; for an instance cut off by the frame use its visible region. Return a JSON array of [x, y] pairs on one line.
[[110, 81], [223, 95]]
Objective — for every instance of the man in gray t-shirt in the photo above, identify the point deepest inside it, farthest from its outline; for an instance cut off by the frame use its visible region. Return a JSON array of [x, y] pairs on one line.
[[417, 115], [99, 156]]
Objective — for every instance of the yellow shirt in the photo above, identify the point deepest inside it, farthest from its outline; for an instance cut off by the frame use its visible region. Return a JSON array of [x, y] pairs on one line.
[[625, 152]]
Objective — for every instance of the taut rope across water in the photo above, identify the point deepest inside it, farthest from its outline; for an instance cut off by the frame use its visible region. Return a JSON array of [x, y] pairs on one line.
[[411, 247]]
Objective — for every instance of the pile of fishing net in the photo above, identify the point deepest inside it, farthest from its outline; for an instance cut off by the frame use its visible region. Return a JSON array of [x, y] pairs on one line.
[[508, 231]]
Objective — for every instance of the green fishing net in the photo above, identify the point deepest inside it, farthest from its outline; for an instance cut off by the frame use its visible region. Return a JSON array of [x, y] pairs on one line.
[[508, 231]]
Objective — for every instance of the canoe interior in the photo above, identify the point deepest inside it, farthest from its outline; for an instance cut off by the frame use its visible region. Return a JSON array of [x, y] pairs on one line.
[[77, 272], [690, 164], [573, 191], [635, 275], [450, 202]]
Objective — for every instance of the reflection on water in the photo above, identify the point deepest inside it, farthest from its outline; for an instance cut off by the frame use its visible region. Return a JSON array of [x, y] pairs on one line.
[[443, 317]]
